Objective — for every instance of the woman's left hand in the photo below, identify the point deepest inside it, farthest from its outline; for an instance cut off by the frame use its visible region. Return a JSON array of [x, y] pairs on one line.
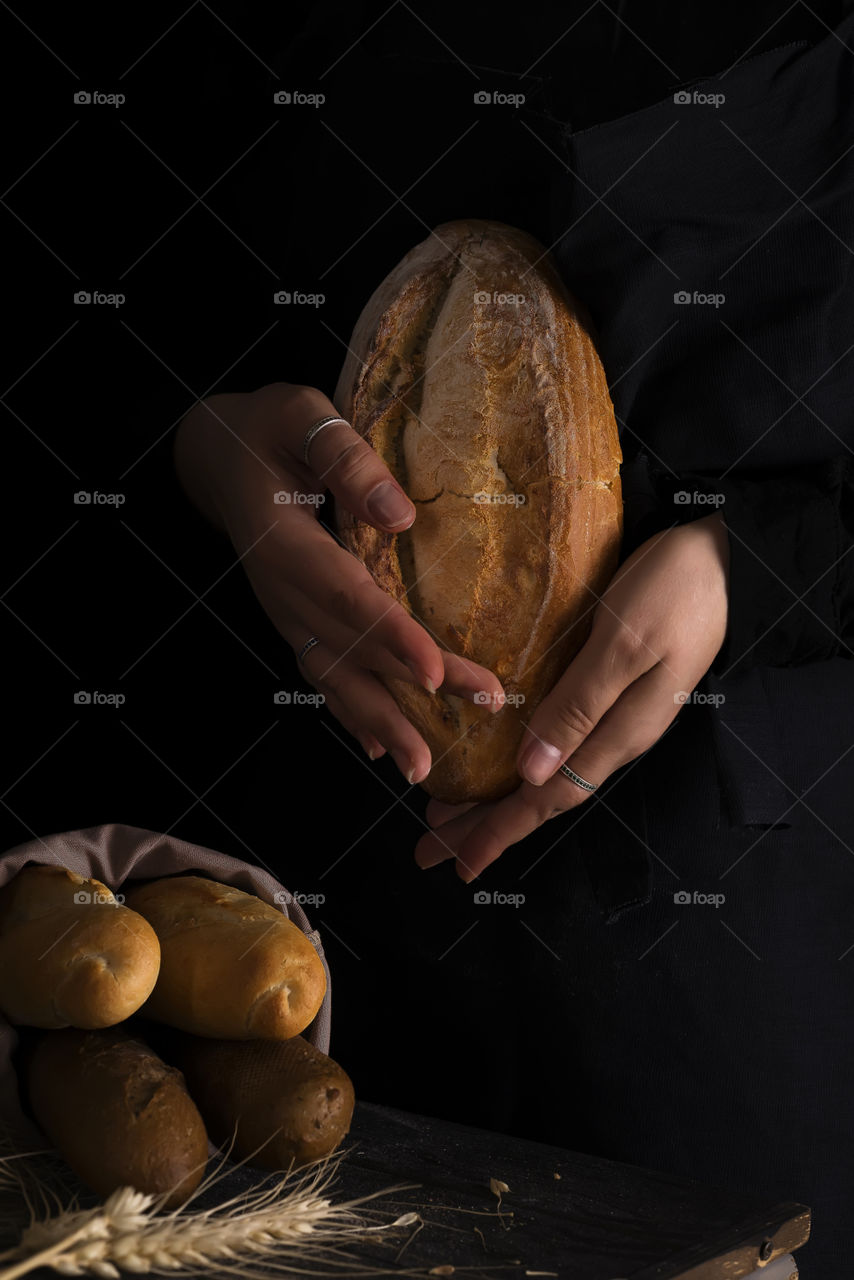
[[655, 633]]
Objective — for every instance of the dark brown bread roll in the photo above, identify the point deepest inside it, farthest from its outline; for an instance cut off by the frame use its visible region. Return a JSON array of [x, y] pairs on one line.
[[473, 373], [287, 1092], [117, 1114]]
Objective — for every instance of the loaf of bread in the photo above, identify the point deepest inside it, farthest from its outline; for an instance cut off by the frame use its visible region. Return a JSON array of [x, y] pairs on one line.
[[231, 966], [474, 375], [117, 1114], [283, 1104], [70, 954]]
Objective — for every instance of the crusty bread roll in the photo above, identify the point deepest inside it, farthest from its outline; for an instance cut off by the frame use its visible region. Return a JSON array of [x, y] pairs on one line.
[[70, 954], [494, 417], [282, 1103], [117, 1114], [231, 965]]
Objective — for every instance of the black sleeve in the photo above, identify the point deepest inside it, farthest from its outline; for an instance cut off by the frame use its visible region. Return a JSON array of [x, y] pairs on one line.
[[790, 539], [726, 332]]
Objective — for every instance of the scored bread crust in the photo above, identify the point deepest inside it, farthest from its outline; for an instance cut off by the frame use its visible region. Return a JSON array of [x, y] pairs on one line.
[[494, 417]]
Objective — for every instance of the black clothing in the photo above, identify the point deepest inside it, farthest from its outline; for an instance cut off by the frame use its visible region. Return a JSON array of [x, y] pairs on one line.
[[712, 1040]]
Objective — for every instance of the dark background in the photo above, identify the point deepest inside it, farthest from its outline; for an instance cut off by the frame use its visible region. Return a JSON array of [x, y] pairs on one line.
[[144, 600]]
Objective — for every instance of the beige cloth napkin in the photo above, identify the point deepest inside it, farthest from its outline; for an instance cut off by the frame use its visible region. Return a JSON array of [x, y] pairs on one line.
[[114, 853]]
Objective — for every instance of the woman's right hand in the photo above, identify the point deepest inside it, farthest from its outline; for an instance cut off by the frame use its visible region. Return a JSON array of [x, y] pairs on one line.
[[234, 454]]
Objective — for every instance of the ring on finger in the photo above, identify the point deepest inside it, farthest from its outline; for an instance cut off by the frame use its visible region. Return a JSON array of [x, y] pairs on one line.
[[309, 644], [577, 779], [314, 429]]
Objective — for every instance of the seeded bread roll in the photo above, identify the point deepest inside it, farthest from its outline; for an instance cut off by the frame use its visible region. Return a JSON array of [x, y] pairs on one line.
[[288, 1102], [117, 1114], [231, 965], [70, 954], [473, 373]]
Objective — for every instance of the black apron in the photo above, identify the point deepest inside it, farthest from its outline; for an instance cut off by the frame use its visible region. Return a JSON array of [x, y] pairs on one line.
[[677, 988]]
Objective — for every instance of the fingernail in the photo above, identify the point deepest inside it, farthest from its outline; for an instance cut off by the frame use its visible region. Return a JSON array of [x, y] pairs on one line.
[[404, 764], [389, 505], [539, 761], [423, 680]]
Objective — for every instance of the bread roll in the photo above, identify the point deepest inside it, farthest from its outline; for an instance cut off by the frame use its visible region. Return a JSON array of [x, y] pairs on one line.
[[473, 373], [231, 965], [117, 1114], [289, 1097], [70, 954]]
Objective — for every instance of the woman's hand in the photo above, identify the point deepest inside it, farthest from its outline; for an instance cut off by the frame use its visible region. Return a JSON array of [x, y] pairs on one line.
[[655, 634], [240, 460]]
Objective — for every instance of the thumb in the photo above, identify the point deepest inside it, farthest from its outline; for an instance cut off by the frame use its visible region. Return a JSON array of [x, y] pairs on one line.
[[340, 460]]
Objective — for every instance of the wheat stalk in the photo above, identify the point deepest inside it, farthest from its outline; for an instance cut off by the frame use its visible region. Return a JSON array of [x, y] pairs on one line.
[[285, 1223]]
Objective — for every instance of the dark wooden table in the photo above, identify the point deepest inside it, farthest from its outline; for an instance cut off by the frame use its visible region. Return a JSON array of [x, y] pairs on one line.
[[570, 1215], [564, 1215]]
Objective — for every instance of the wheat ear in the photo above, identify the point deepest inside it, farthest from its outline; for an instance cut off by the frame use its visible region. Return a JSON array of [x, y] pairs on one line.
[[285, 1223]]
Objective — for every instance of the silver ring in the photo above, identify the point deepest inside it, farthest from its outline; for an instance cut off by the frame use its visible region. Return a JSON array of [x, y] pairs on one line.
[[579, 782], [309, 644], [313, 430]]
